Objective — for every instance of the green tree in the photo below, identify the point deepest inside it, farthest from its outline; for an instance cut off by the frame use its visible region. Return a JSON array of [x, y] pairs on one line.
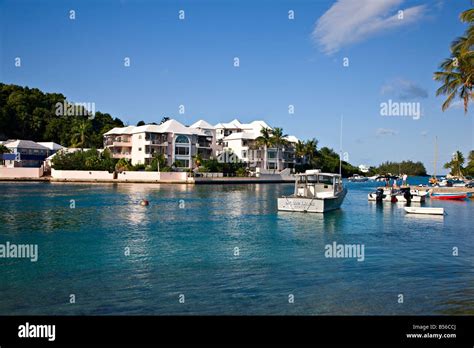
[[265, 140], [457, 72], [278, 139], [300, 151], [4, 149], [469, 170], [456, 163], [80, 134], [158, 159], [122, 165], [311, 150], [197, 160], [164, 119]]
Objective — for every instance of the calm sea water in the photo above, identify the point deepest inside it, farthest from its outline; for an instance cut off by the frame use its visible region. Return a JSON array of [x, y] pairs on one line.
[[184, 243]]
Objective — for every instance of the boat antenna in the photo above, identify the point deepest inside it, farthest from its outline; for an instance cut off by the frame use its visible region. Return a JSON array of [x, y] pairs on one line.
[[340, 150]]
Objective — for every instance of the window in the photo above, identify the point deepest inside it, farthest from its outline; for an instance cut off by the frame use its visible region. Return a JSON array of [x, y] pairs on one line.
[[139, 149], [272, 165], [183, 151], [182, 139], [244, 153]]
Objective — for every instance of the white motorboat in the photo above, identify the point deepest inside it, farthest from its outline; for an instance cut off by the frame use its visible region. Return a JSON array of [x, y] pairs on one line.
[[425, 210], [405, 195], [315, 192], [357, 178], [385, 195]]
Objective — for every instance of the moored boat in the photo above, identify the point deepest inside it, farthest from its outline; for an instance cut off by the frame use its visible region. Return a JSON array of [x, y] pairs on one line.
[[383, 195], [407, 196], [449, 196], [357, 178], [425, 210], [315, 192]]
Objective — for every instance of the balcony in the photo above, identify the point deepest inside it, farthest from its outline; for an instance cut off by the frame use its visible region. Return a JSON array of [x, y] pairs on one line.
[[121, 155], [123, 143], [156, 142]]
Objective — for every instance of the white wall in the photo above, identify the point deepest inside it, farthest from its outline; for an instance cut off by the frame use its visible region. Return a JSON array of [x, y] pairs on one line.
[[81, 175], [173, 176], [21, 172], [237, 148], [145, 176], [138, 157], [153, 176]]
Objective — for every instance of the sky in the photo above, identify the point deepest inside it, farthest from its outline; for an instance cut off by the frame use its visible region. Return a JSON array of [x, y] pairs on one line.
[[331, 60]]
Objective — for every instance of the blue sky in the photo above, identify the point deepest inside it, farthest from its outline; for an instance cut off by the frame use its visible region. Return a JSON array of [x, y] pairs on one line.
[[299, 62]]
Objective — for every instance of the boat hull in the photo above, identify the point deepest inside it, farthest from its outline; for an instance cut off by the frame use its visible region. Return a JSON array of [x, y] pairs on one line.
[[449, 196], [387, 196], [425, 211], [414, 199], [311, 205]]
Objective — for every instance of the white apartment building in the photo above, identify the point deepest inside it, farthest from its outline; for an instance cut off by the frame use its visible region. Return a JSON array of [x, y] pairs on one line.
[[240, 139], [178, 143]]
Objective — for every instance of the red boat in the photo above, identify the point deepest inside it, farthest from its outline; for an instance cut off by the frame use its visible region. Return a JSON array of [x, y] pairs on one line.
[[446, 196]]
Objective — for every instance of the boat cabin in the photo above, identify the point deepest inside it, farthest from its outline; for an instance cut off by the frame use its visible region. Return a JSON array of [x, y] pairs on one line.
[[314, 184]]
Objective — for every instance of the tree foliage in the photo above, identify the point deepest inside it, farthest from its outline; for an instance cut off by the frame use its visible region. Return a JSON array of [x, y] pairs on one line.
[[84, 160], [457, 72], [406, 167], [28, 113]]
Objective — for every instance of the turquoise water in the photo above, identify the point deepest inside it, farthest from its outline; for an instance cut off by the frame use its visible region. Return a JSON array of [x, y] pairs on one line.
[[184, 243]]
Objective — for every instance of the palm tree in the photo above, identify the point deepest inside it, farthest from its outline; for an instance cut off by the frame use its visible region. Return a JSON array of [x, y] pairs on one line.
[[456, 164], [265, 140], [3, 149], [197, 160], [311, 149], [457, 72], [300, 150], [80, 134], [278, 140]]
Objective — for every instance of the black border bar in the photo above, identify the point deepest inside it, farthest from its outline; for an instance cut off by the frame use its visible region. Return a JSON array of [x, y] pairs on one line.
[[134, 330]]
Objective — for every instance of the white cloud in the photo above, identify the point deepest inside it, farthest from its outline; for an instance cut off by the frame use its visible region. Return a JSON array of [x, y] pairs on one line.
[[406, 89], [351, 21], [385, 131]]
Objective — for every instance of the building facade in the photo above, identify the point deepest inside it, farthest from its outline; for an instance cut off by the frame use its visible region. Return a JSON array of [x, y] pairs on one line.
[[177, 143], [240, 139], [24, 153], [180, 144]]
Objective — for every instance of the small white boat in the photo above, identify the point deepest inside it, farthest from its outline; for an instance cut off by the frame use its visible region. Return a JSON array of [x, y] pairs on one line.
[[315, 192], [406, 196], [385, 195], [357, 178], [425, 210]]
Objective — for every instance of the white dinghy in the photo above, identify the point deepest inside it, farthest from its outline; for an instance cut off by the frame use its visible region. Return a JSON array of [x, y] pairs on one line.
[[425, 210]]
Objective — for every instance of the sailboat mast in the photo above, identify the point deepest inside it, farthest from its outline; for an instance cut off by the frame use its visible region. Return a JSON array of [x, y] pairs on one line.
[[340, 150], [435, 156]]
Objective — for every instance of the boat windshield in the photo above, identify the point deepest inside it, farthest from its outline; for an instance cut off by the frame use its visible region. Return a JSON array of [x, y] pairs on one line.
[[324, 179], [316, 179]]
